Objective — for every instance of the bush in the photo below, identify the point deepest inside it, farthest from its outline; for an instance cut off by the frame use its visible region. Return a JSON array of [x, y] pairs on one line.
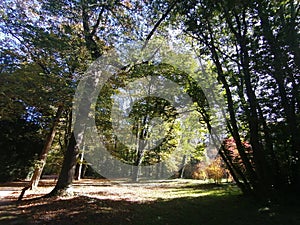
[[216, 170]]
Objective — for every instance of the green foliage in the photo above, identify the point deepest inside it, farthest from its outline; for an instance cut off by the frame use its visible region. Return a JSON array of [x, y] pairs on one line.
[[54, 161], [251, 54], [20, 143], [258, 68], [187, 137]]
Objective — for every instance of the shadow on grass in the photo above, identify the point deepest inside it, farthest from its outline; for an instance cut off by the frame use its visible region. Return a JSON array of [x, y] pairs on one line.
[[219, 207]]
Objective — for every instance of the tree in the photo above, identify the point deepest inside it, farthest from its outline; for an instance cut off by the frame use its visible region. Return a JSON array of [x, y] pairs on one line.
[[250, 48], [50, 66], [242, 42], [67, 36], [19, 85], [91, 16], [43, 156], [118, 14]]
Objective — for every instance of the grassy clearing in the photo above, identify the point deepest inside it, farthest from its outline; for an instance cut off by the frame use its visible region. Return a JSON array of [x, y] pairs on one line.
[[172, 202]]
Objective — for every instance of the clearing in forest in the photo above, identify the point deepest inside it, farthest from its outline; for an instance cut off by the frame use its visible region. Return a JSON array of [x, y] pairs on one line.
[[162, 202]]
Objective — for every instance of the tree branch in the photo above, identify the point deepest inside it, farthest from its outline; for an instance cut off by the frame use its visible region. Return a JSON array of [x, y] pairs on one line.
[[158, 23], [95, 27]]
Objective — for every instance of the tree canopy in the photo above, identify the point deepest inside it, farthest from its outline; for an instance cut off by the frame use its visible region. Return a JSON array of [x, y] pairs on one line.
[[247, 55]]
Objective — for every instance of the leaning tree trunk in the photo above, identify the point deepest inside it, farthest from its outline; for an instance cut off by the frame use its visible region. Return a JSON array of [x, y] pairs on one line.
[[43, 157]]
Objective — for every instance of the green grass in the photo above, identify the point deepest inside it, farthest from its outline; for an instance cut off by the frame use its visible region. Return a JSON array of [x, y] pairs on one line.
[[213, 205]]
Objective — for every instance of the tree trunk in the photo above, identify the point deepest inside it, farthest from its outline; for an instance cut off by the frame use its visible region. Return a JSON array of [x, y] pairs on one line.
[[183, 164], [43, 156], [78, 172], [140, 157], [236, 173], [289, 108], [253, 121], [234, 126], [64, 183]]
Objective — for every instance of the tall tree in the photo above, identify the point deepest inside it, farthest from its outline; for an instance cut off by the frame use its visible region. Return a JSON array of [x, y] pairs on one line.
[[246, 45]]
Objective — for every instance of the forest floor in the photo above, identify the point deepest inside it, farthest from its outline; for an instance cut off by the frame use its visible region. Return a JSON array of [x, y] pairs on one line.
[[167, 202]]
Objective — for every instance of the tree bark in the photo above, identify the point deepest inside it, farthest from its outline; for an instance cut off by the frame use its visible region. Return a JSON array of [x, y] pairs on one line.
[[43, 156], [65, 179]]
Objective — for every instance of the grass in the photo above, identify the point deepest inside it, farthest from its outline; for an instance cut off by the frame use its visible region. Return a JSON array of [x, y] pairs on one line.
[[206, 204], [174, 202]]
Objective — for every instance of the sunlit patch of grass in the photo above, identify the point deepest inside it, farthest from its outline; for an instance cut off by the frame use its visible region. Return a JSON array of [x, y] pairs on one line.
[[195, 190], [191, 194]]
